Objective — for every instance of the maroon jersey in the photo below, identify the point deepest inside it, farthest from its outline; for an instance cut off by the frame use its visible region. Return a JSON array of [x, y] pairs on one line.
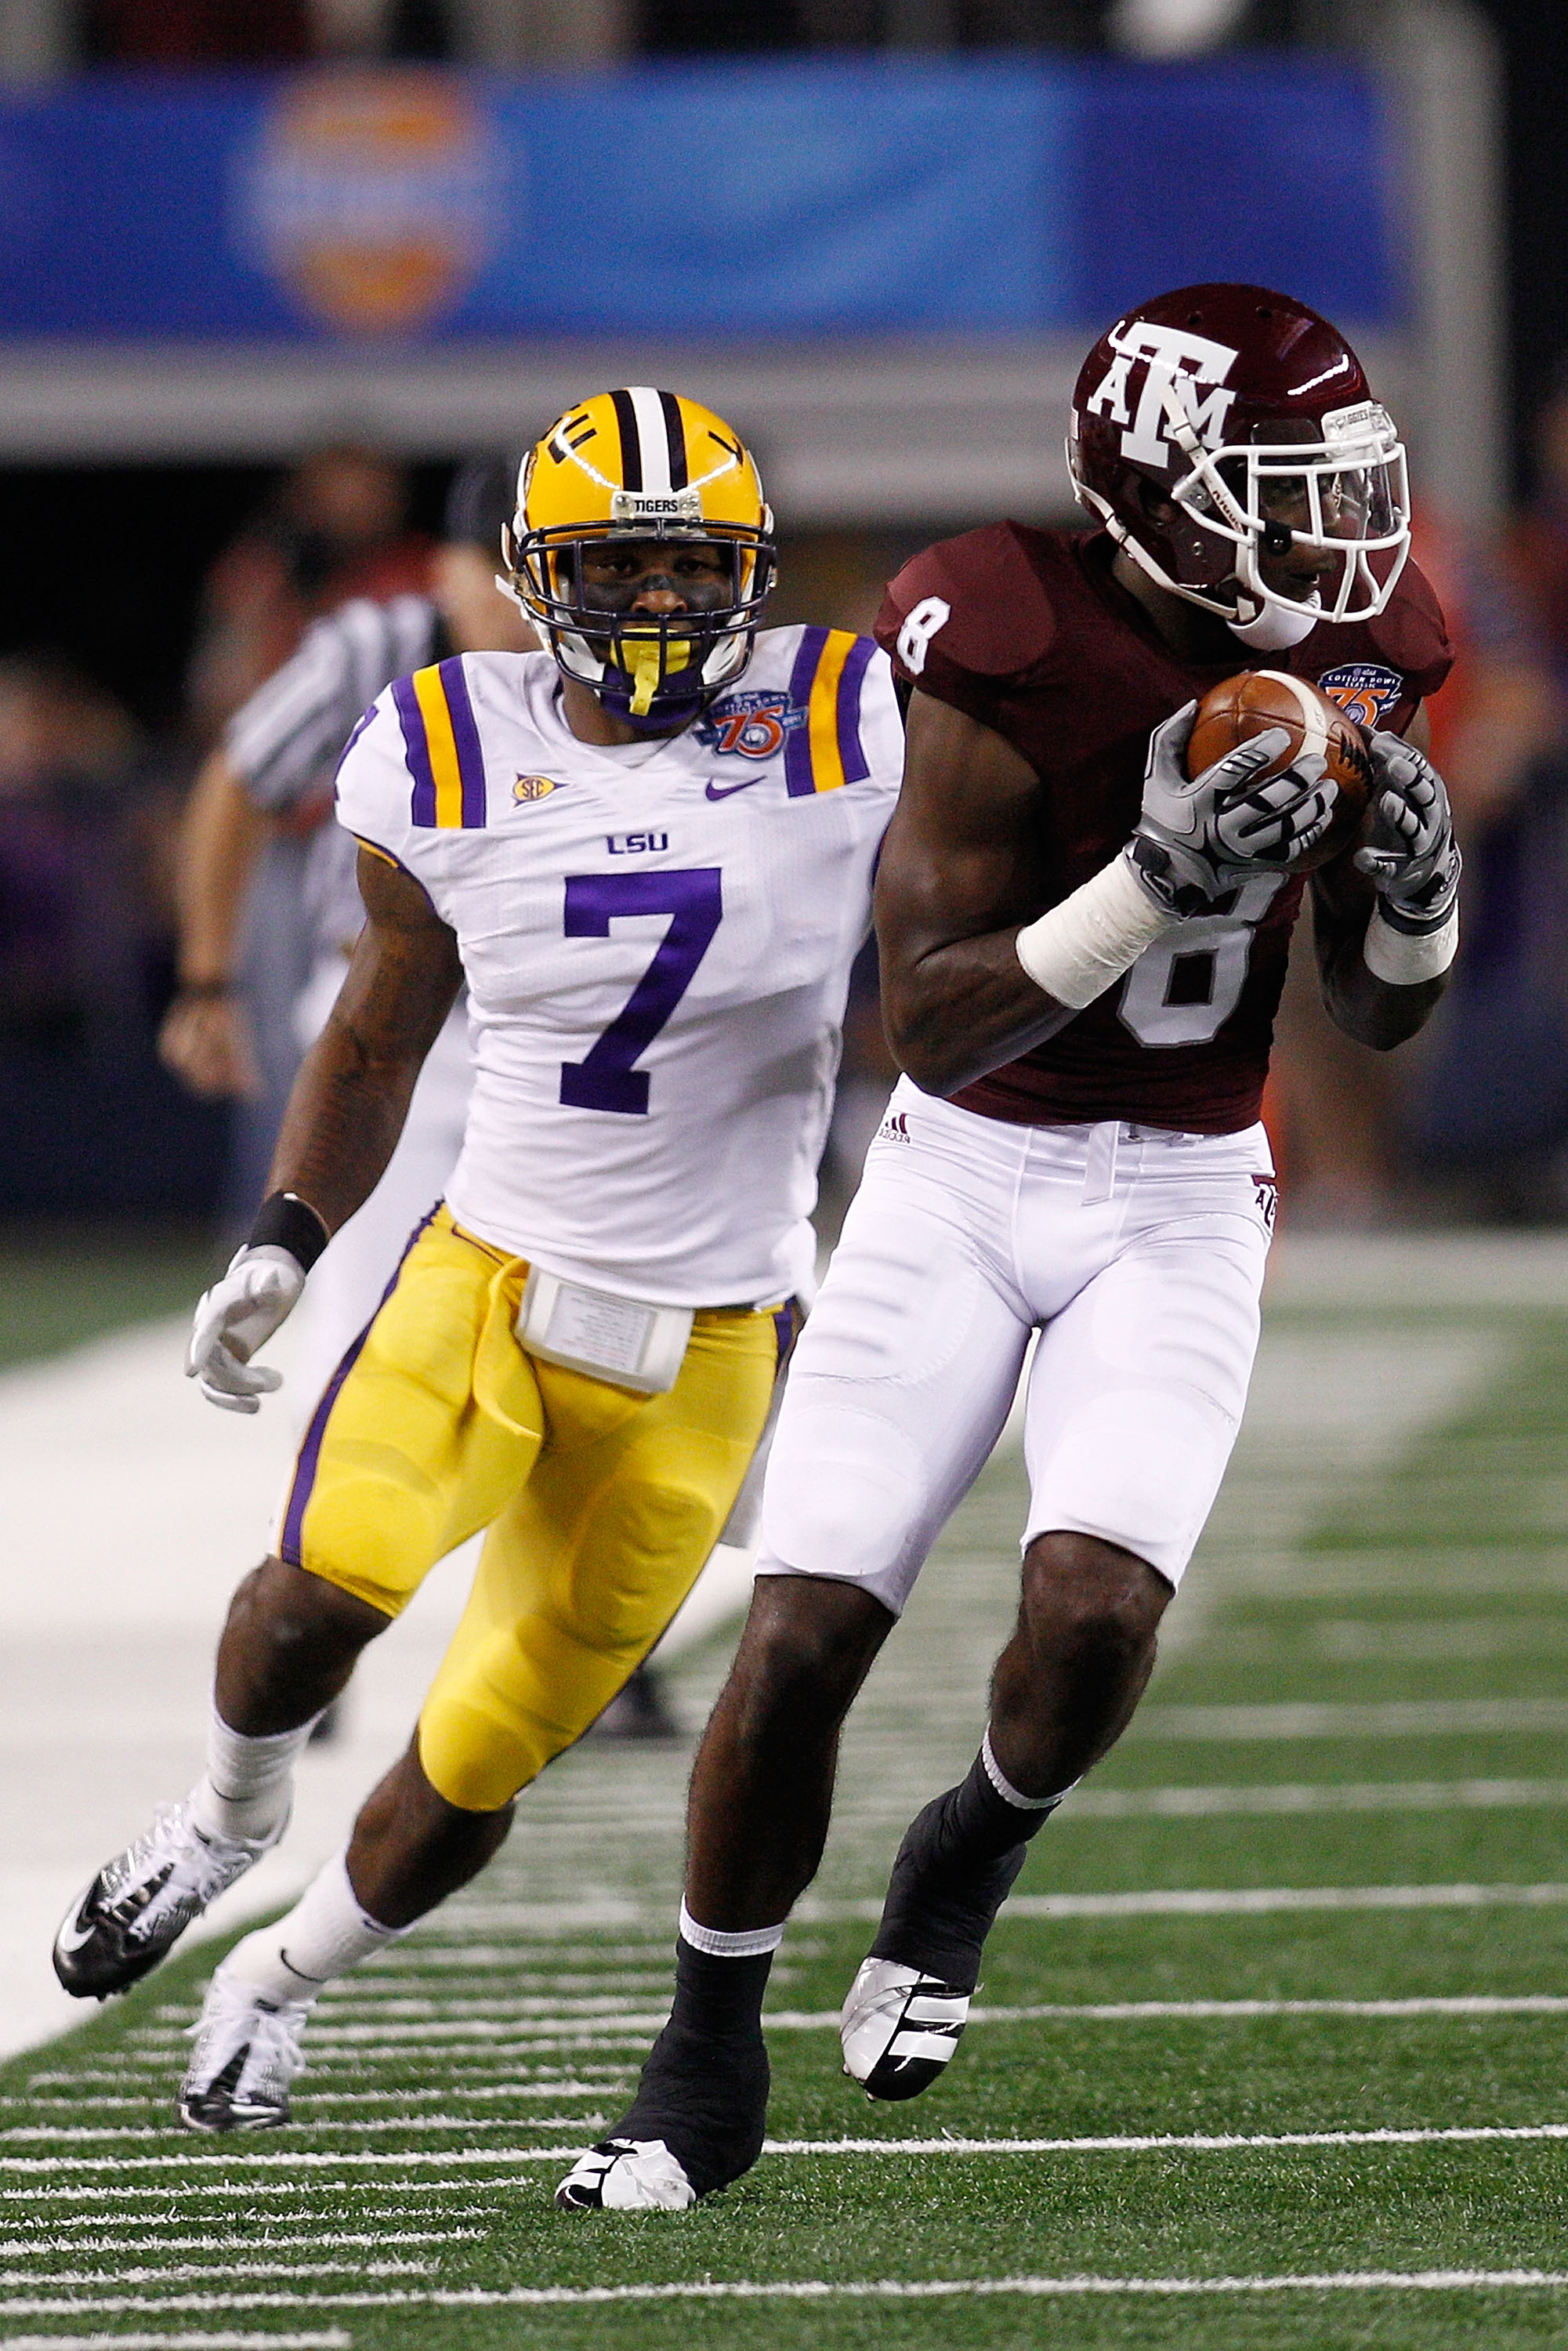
[[1028, 631]]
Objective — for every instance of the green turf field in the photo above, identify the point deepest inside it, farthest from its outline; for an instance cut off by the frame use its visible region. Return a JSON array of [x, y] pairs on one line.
[[59, 1288], [1300, 1948]]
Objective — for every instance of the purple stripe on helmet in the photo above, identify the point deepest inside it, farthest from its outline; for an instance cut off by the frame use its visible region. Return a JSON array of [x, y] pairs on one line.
[[410, 719], [465, 735], [857, 766], [798, 779], [310, 1458]]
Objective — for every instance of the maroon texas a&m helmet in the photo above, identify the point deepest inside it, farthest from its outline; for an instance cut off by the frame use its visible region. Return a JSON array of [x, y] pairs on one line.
[[1222, 423]]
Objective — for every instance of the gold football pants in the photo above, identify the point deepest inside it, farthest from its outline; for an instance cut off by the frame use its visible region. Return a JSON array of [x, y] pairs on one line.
[[602, 1504]]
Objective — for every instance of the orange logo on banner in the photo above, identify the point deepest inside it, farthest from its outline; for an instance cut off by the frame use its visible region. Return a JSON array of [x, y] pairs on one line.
[[375, 195]]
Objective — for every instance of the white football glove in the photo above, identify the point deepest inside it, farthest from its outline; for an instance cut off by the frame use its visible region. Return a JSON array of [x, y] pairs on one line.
[[235, 1317], [1413, 859], [1200, 836]]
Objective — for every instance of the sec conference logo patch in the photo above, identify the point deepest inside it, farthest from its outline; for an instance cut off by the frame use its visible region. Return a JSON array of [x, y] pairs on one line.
[[1363, 690], [533, 788]]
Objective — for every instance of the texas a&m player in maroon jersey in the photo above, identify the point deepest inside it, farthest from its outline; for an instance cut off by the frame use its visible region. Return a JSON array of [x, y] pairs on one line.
[[1082, 952]]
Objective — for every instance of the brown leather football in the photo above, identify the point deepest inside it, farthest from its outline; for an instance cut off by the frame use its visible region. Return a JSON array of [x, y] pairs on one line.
[[1257, 699]]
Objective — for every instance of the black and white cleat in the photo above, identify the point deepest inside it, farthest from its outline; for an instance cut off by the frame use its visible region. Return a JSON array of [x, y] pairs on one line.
[[899, 2029], [246, 2054], [627, 2175], [142, 1902]]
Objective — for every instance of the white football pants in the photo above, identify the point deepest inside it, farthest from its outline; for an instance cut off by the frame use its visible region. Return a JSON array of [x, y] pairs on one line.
[[1137, 1252]]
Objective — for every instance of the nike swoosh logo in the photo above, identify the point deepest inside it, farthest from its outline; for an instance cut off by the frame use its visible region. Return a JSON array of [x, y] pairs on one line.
[[726, 791], [73, 1934]]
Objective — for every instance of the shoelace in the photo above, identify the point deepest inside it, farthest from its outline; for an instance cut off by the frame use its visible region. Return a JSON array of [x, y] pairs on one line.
[[197, 1872]]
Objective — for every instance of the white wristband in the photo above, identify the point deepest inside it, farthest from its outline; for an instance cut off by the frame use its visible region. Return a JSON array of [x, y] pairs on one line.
[[1404, 961], [1093, 937]]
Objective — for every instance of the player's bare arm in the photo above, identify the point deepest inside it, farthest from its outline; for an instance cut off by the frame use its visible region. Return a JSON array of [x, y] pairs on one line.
[[203, 1038], [351, 1096], [958, 877], [1364, 1006]]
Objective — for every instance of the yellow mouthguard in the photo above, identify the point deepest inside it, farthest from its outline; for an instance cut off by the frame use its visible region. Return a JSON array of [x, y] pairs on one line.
[[641, 655]]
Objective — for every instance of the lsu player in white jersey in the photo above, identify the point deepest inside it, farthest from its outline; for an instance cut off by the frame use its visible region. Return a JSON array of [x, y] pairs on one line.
[[648, 852]]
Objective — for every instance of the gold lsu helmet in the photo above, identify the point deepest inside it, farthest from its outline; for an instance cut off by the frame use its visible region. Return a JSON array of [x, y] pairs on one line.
[[639, 463]]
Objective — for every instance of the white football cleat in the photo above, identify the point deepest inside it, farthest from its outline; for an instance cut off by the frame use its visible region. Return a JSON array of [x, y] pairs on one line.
[[899, 2028], [141, 1902], [247, 2052], [627, 2175]]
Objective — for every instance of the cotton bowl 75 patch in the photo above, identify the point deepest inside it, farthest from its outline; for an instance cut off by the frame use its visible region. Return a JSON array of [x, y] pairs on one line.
[[1363, 690], [750, 726]]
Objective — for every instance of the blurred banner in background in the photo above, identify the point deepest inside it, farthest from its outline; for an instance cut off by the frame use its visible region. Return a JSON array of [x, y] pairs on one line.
[[757, 201]]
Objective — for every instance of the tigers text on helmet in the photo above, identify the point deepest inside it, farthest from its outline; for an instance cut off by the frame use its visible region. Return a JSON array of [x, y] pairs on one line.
[[1221, 428], [639, 464]]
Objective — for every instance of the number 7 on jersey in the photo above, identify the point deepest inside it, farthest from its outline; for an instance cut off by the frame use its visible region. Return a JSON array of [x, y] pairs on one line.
[[605, 1078]]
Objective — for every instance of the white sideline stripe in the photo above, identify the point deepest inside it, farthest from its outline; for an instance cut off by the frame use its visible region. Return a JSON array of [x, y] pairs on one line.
[[1395, 1718], [331, 2338], [1199, 2142], [798, 2290], [1314, 1796]]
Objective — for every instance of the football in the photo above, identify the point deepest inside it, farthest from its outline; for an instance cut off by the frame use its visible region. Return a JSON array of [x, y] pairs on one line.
[[1257, 699]]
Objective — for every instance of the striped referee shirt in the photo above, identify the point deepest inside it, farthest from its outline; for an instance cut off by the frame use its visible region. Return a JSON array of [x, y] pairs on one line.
[[286, 742]]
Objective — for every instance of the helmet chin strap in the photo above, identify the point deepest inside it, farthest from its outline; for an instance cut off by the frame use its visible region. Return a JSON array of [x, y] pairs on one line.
[[1275, 628]]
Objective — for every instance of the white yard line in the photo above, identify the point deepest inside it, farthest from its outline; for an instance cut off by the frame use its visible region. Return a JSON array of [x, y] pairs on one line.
[[331, 2338], [1315, 1796], [1401, 1719], [811, 2290], [89, 2133], [142, 2275], [1194, 2143], [1127, 2012], [1245, 1901], [201, 2191], [304, 2238]]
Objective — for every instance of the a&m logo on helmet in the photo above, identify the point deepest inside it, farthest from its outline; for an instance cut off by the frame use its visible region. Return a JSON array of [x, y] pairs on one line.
[[1182, 369]]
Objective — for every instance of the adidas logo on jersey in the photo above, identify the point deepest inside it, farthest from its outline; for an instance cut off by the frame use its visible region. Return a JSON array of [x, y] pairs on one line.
[[895, 1128], [532, 788]]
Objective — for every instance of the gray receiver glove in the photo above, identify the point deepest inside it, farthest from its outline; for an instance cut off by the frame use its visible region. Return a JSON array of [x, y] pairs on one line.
[[1413, 860], [236, 1316], [1198, 836]]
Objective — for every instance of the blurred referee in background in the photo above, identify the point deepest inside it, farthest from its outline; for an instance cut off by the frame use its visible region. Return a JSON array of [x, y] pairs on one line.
[[274, 766]]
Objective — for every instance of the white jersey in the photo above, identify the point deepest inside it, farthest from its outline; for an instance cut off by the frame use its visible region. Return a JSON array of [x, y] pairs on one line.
[[657, 941]]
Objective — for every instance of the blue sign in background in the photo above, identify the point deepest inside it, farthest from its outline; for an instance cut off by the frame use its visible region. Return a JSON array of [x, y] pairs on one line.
[[751, 199]]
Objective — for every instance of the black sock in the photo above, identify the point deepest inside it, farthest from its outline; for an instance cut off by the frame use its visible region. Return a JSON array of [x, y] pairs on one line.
[[955, 1869], [720, 1999], [703, 2089]]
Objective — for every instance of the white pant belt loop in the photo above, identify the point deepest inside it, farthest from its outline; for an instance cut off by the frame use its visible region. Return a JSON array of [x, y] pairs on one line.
[[1100, 1165]]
